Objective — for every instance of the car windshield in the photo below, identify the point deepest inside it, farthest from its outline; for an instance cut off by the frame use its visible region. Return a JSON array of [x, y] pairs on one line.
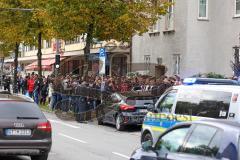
[[19, 110]]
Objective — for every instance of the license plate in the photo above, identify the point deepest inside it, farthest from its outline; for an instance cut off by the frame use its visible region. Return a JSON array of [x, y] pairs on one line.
[[143, 110], [18, 132]]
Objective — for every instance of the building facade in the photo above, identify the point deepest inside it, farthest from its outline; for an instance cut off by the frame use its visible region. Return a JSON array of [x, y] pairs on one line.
[[196, 36], [72, 57]]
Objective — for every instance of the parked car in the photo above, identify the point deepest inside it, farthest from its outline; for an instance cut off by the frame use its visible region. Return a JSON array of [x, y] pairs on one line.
[[198, 140], [125, 111], [190, 103], [24, 130]]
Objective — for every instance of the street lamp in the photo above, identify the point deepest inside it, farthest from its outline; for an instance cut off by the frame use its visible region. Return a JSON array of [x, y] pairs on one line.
[[17, 9]]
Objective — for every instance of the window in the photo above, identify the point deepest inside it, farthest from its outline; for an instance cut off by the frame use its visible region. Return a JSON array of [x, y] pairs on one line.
[[213, 104], [166, 104], [154, 28], [176, 64], [139, 101], [31, 48], [11, 110], [147, 59], [172, 141], [48, 43], [237, 4], [169, 18], [73, 41], [203, 9], [204, 141]]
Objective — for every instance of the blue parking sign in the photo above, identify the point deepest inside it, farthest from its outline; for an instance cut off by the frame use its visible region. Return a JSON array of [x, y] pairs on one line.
[[102, 52]]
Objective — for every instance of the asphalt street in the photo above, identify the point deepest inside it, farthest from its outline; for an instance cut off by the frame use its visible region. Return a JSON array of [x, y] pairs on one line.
[[78, 141]]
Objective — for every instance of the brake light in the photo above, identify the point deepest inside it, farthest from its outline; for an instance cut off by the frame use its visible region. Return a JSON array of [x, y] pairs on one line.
[[127, 108], [46, 126]]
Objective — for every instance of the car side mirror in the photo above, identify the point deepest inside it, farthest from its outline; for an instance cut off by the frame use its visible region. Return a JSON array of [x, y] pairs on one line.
[[147, 146], [151, 108]]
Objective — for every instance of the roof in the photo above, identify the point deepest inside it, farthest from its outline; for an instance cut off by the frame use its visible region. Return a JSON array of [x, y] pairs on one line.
[[223, 88], [210, 81], [223, 124], [15, 97]]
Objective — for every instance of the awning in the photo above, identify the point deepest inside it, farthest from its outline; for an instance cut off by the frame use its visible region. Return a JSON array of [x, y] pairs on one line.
[[46, 65]]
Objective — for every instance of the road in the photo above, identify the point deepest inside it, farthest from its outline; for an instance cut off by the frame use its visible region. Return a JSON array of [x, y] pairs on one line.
[[74, 141]]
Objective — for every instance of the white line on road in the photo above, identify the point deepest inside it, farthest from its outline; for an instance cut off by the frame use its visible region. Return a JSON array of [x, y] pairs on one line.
[[121, 155], [63, 123], [78, 140]]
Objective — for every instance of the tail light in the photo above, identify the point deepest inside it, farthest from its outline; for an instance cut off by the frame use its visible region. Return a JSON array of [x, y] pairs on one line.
[[127, 108], [46, 127]]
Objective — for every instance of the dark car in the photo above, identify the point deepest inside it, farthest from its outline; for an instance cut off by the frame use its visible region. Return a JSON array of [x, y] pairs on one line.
[[24, 130], [198, 140], [125, 111]]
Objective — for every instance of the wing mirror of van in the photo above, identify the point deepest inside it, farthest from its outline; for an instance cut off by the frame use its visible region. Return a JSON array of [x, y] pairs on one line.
[[151, 108]]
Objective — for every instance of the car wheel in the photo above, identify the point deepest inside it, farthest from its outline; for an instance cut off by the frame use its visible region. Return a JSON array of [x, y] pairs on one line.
[[40, 157], [119, 125], [100, 122], [146, 137]]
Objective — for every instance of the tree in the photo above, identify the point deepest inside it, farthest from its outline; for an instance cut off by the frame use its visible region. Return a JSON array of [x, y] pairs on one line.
[[38, 25], [5, 50], [14, 30], [236, 63], [103, 19]]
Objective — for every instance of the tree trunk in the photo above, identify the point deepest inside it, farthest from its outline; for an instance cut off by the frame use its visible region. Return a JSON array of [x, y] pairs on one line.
[[2, 70], [39, 54], [87, 49], [15, 89], [130, 63]]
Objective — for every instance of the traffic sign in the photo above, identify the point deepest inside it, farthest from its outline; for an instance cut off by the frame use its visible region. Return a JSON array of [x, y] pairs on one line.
[[102, 61], [102, 52]]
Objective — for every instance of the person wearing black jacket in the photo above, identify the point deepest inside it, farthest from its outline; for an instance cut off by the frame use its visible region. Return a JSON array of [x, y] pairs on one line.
[[7, 82], [25, 85], [44, 92]]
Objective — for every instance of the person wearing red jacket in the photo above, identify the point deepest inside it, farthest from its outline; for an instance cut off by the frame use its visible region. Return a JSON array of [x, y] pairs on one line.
[[30, 84]]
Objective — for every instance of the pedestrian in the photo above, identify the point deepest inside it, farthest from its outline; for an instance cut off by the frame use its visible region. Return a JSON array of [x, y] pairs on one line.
[[7, 82], [19, 83], [44, 92], [30, 85], [25, 85], [36, 91]]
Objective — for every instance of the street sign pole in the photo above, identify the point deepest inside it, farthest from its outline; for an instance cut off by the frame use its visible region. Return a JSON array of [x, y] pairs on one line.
[[57, 66], [102, 68]]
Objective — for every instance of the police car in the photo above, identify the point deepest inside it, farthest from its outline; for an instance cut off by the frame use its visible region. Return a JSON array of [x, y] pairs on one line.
[[210, 81], [190, 103]]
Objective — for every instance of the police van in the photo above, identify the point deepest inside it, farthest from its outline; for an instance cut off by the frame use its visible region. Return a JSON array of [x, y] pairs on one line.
[[190, 103]]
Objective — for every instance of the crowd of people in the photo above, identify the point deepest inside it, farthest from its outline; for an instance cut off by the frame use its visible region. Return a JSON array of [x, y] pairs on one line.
[[52, 89]]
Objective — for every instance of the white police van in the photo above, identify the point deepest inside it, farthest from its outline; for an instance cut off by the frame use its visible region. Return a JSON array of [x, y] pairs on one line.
[[190, 103]]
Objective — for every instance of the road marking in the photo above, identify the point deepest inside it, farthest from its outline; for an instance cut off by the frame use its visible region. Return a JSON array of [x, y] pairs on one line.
[[63, 123], [69, 137], [121, 155]]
